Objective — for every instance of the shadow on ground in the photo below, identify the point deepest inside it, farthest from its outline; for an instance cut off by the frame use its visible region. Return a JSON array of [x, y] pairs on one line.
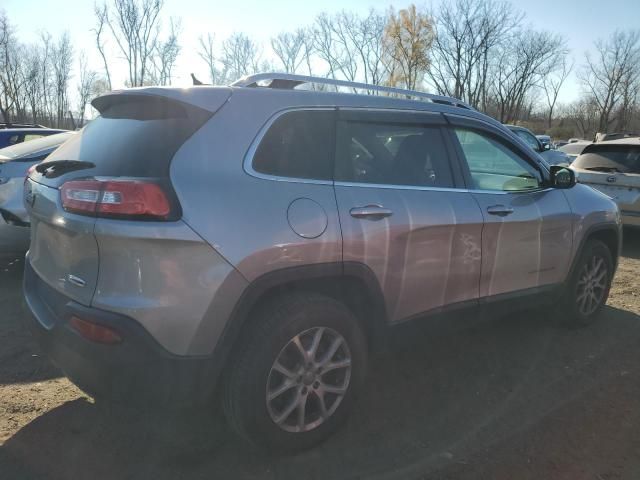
[[438, 396], [631, 247], [20, 360]]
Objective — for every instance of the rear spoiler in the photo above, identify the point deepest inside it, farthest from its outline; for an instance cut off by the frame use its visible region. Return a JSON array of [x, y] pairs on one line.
[[204, 97]]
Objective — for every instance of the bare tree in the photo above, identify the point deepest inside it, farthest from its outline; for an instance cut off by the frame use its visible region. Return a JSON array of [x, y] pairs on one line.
[[289, 48], [365, 44], [325, 46], [86, 86], [522, 63], [134, 27], [466, 34], [408, 39], [10, 80], [240, 57], [551, 85], [102, 15], [166, 54], [61, 61], [206, 51], [616, 63]]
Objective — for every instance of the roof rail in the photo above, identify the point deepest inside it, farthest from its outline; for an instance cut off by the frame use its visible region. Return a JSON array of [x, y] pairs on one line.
[[290, 81]]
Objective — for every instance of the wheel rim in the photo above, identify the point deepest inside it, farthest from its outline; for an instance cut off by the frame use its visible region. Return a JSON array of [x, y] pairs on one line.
[[308, 380], [592, 285]]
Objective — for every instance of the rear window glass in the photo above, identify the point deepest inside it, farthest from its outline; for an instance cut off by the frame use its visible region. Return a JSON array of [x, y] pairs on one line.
[[298, 145], [392, 154], [574, 148], [621, 158], [134, 136]]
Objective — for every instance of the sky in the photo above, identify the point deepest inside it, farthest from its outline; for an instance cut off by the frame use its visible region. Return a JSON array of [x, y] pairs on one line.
[[580, 22]]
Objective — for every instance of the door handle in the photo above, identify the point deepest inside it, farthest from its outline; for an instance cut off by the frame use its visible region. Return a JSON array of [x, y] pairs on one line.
[[499, 210], [371, 212]]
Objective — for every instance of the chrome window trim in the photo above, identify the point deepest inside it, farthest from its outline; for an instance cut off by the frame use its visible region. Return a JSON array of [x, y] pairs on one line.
[[247, 163], [390, 186], [438, 189]]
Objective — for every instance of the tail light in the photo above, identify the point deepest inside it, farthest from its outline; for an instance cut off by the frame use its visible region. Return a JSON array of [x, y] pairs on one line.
[[116, 198]]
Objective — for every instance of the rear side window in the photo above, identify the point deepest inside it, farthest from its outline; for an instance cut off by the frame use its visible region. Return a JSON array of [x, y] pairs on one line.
[[392, 154], [298, 145], [610, 158]]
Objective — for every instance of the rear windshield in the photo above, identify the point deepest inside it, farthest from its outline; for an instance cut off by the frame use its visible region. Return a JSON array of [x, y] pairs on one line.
[[135, 135], [621, 158], [32, 148], [574, 148]]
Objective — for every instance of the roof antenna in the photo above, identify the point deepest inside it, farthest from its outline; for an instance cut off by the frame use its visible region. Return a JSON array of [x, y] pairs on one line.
[[195, 80]]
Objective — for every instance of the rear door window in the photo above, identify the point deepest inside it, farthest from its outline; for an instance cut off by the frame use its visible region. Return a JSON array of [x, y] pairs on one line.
[[392, 154], [298, 144]]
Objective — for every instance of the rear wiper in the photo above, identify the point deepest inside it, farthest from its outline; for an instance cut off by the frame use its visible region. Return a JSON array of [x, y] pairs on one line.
[[604, 169], [56, 168]]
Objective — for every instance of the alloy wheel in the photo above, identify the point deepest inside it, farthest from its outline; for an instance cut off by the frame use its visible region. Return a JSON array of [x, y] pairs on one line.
[[308, 379]]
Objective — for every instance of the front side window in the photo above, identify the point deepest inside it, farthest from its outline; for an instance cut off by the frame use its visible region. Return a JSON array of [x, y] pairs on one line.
[[299, 145], [494, 166], [392, 154]]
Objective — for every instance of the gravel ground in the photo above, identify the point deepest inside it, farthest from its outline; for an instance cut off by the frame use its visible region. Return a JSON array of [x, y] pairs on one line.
[[505, 398]]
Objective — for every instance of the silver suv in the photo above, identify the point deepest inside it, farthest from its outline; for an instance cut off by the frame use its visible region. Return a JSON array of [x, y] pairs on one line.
[[262, 238]]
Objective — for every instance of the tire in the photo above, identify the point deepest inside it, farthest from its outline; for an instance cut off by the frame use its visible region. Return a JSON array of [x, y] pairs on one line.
[[576, 312], [311, 319]]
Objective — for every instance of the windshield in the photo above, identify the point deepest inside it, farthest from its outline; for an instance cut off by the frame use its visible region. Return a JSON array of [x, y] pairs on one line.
[[613, 158], [33, 147]]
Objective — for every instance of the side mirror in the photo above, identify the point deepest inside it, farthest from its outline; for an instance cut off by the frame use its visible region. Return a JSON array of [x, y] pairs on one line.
[[546, 146], [562, 177]]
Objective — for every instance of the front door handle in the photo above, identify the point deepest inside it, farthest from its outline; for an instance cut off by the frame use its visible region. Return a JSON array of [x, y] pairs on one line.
[[370, 212], [499, 210]]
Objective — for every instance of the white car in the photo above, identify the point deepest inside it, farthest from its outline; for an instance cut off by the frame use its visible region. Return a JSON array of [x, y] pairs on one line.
[[15, 161], [613, 167]]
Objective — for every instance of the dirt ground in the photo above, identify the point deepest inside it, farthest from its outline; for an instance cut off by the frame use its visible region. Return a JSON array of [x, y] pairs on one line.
[[506, 398]]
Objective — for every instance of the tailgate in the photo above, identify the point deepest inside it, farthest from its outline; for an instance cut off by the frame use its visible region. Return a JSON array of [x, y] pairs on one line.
[[63, 250], [623, 188]]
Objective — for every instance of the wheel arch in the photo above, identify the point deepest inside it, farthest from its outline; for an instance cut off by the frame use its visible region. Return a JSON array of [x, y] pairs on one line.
[[352, 283], [609, 234]]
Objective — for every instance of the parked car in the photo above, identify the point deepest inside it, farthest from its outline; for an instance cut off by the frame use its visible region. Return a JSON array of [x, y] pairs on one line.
[[13, 136], [20, 125], [573, 149], [613, 167], [560, 143], [15, 161], [545, 140], [552, 157], [606, 137], [266, 243]]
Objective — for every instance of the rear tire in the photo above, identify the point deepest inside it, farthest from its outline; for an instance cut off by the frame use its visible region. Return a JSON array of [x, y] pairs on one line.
[[296, 374], [588, 288]]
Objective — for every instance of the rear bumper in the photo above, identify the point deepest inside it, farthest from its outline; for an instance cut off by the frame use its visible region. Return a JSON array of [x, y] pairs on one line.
[[136, 370]]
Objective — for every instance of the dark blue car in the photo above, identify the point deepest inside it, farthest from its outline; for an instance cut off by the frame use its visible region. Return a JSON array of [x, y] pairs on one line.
[[13, 136]]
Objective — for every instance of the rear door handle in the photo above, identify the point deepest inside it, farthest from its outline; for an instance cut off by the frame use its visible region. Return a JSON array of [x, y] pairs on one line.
[[499, 210], [371, 212]]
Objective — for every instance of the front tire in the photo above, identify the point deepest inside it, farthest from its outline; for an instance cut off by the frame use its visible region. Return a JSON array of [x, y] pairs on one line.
[[588, 288], [296, 374]]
